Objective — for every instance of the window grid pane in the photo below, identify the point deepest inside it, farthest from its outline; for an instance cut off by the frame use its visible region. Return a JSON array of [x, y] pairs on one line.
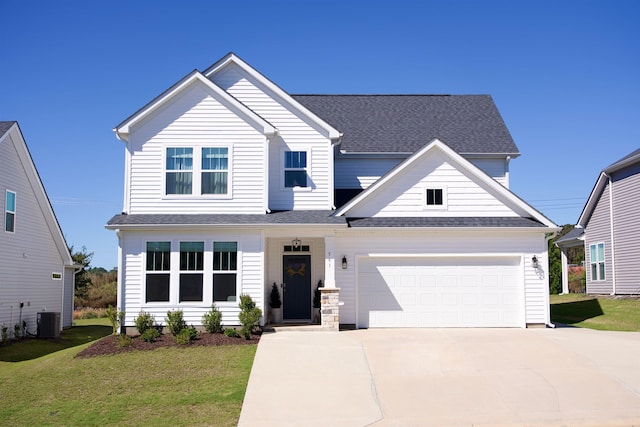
[[158, 256], [191, 256], [225, 256], [180, 158], [295, 159], [157, 288], [214, 182], [215, 158], [191, 287]]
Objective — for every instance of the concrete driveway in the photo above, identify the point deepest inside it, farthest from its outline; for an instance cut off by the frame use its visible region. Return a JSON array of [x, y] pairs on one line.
[[445, 377]]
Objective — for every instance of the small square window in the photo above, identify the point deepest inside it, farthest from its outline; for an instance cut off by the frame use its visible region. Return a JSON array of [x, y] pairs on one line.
[[434, 197], [191, 287], [157, 289], [224, 287]]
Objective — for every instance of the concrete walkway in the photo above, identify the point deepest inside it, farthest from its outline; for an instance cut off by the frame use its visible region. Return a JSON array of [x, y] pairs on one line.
[[445, 377]]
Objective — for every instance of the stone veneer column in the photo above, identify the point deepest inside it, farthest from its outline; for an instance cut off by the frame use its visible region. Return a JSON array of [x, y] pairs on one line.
[[329, 308]]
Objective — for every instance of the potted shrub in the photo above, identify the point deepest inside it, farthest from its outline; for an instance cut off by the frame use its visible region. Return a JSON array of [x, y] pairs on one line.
[[275, 303], [316, 303]]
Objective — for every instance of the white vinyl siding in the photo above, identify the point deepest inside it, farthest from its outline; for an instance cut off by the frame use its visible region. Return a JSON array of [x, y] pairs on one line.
[[355, 244], [404, 194], [295, 134], [195, 119], [249, 273], [29, 255]]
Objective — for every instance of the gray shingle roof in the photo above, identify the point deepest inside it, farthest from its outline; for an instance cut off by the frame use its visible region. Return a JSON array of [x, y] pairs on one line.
[[405, 123], [571, 236], [274, 218], [623, 161], [439, 222], [4, 127]]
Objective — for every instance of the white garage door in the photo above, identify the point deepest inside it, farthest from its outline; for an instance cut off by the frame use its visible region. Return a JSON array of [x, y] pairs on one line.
[[437, 292]]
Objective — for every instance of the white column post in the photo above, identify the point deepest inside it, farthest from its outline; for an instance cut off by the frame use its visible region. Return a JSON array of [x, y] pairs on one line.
[[329, 262], [565, 273]]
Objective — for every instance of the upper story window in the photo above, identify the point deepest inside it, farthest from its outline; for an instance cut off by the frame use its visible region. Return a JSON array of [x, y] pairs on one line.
[[435, 198], [179, 170], [295, 169], [215, 170], [596, 255], [10, 212]]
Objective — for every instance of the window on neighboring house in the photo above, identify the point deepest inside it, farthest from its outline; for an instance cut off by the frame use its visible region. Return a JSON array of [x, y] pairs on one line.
[[191, 261], [158, 275], [215, 170], [225, 267], [179, 166], [295, 168], [435, 197], [10, 212], [596, 254]]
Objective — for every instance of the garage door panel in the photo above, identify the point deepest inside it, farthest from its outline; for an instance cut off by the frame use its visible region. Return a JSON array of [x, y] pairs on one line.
[[424, 292]]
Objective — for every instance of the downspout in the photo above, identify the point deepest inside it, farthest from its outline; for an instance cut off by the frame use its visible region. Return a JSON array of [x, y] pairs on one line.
[[613, 246]]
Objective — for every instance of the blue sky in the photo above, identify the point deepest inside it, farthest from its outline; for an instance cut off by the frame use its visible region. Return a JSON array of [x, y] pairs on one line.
[[564, 74]]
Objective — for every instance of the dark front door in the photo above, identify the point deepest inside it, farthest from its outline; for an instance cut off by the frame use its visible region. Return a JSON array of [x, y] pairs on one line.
[[296, 277]]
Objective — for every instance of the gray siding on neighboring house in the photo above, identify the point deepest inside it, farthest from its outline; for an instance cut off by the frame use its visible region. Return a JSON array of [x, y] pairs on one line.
[[598, 230], [626, 201]]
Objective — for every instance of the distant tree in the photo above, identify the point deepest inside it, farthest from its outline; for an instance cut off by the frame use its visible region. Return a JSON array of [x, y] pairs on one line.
[[574, 256], [82, 277]]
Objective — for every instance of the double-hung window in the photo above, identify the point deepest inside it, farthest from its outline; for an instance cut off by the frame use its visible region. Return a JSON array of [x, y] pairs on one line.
[[225, 269], [215, 170], [191, 270], [158, 271], [295, 169], [596, 256], [10, 212], [179, 170]]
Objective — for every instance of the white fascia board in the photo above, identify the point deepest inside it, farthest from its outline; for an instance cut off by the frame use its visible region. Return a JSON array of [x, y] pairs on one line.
[[40, 193], [123, 129], [231, 57], [464, 229], [486, 179], [165, 227]]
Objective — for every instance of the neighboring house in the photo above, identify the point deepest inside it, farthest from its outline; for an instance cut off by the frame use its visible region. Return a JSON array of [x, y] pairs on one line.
[[609, 229], [36, 267], [398, 204]]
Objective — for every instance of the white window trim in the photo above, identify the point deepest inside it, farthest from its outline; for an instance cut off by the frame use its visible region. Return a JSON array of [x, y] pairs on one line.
[[445, 198], [196, 171], [307, 169], [6, 211], [597, 263], [208, 271]]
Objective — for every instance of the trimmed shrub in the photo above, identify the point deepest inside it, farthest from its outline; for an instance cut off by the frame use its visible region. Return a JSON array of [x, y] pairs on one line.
[[123, 340], [150, 335], [144, 322], [186, 335], [5, 333], [249, 315], [212, 320], [175, 322], [116, 317], [230, 332]]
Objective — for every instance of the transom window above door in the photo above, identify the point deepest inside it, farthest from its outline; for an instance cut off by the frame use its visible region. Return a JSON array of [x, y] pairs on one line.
[[295, 169]]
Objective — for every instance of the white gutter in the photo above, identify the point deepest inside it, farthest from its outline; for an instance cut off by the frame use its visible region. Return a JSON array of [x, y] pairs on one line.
[[613, 246]]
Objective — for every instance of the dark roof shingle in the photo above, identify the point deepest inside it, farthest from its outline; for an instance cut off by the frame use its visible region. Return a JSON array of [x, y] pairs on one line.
[[405, 123], [440, 222]]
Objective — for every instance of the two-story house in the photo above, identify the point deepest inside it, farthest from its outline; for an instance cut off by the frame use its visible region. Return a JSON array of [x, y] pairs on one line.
[[399, 205], [36, 269]]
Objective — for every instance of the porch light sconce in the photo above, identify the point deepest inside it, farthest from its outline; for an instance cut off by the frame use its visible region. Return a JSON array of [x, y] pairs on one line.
[[296, 243], [344, 262], [534, 262]]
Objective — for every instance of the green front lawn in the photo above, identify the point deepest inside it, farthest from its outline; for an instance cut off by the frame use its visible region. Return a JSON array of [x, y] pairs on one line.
[[601, 312], [188, 386]]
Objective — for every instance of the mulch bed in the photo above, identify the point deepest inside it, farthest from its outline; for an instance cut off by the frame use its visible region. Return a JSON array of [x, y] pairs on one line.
[[108, 345]]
